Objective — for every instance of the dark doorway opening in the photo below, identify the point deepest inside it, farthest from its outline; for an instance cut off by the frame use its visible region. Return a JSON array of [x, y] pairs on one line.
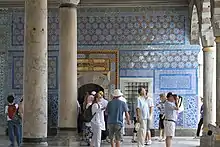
[[87, 88]]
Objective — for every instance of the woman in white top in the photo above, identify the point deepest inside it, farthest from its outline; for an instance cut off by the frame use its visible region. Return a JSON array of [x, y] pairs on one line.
[[97, 123]]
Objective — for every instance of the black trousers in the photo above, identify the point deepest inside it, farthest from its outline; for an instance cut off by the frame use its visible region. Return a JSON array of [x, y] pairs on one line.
[[199, 127]]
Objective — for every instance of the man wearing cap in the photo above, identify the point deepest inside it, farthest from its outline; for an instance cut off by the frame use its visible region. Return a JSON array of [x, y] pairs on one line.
[[115, 110], [170, 110]]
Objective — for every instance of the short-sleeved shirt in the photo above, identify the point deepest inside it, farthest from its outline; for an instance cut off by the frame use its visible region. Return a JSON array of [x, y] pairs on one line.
[[161, 107], [170, 112], [115, 111], [103, 102], [150, 102], [143, 105]]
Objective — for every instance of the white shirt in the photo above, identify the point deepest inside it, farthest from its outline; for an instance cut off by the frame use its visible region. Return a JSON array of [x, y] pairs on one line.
[[6, 111], [98, 118], [103, 102], [150, 102], [143, 105]]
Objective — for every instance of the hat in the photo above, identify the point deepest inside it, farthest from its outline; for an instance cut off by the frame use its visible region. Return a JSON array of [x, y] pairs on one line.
[[117, 93], [101, 93], [93, 93]]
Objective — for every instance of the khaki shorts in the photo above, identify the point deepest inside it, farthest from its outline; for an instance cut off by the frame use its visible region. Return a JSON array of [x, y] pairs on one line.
[[149, 124], [115, 132], [169, 128]]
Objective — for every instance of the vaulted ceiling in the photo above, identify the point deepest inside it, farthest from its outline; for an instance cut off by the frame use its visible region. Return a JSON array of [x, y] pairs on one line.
[[105, 3]]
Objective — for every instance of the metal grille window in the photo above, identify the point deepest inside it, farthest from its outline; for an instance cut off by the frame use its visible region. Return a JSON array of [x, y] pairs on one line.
[[130, 92]]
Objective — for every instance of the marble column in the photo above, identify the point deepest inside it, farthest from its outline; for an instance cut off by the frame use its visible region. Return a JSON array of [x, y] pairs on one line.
[[208, 73], [68, 65], [217, 139], [35, 73]]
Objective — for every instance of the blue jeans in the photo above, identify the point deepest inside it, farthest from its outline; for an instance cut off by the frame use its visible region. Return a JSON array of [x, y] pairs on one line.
[[14, 129]]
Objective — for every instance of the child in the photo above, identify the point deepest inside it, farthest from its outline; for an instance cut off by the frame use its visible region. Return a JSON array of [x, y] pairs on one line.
[[160, 106], [14, 121]]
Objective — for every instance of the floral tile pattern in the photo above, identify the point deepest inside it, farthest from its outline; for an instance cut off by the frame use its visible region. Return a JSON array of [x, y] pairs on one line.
[[158, 59], [147, 28]]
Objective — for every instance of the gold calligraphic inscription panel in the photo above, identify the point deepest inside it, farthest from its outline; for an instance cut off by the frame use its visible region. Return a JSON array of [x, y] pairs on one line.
[[97, 65], [104, 61]]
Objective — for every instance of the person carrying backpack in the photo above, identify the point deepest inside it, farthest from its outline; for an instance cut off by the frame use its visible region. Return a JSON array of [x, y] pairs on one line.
[[87, 117], [14, 121]]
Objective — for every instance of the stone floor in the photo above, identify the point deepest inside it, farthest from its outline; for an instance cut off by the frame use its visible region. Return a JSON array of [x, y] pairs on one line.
[[178, 142]]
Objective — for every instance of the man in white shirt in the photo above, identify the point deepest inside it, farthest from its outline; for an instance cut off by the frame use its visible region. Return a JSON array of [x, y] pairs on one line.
[[142, 114]]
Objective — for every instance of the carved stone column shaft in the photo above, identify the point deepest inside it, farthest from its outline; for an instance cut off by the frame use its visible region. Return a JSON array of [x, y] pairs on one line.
[[35, 72], [208, 72], [68, 66]]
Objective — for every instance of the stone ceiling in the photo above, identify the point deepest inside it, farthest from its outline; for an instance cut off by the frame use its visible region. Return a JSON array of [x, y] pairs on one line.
[[104, 3]]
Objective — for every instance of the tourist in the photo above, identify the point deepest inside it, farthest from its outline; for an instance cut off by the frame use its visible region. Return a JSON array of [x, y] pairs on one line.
[[200, 121], [161, 106], [21, 113], [142, 114], [98, 122], [115, 110], [134, 130], [124, 117], [87, 125], [104, 104], [14, 121], [149, 120], [170, 109]]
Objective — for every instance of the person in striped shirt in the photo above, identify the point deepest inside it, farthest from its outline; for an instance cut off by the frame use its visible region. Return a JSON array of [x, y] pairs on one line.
[[161, 106]]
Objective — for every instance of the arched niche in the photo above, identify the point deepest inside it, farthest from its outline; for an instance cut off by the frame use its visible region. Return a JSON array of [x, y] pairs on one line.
[[94, 78]]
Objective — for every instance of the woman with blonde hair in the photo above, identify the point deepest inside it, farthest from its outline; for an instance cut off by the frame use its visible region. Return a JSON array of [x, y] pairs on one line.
[[97, 122]]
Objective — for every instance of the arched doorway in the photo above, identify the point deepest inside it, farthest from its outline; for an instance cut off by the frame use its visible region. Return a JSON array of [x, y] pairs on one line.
[[87, 88]]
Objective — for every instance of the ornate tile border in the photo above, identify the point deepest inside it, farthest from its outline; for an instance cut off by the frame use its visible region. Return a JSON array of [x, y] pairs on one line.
[[186, 85]]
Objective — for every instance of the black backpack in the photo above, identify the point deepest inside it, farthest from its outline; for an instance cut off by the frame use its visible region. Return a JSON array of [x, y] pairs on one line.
[[87, 115]]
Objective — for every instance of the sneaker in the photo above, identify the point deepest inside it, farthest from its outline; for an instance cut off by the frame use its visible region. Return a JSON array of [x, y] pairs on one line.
[[196, 137], [133, 141], [161, 140], [149, 142]]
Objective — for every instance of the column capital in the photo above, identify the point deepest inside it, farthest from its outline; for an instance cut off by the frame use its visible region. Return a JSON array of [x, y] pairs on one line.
[[216, 25], [208, 38], [205, 129], [208, 49], [217, 39], [69, 3]]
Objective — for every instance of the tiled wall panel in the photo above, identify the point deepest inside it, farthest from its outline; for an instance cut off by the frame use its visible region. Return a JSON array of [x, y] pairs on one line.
[[153, 42]]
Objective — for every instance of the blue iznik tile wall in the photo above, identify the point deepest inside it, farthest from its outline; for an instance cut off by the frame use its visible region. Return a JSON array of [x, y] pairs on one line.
[[153, 43]]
